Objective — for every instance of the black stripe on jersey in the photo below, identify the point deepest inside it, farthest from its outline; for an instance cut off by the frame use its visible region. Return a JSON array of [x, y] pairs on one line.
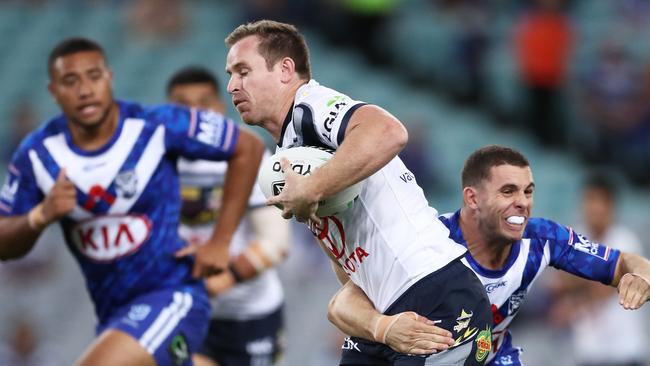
[[305, 127], [344, 122], [287, 120]]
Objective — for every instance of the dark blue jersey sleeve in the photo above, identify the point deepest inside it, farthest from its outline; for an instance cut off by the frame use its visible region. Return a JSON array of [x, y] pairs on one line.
[[19, 192], [195, 133], [574, 253]]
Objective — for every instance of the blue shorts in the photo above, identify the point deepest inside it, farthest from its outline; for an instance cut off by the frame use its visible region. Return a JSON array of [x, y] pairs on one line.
[[169, 323], [453, 297], [245, 343]]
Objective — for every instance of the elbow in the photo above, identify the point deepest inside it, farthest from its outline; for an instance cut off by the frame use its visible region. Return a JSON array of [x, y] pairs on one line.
[[396, 136], [332, 311]]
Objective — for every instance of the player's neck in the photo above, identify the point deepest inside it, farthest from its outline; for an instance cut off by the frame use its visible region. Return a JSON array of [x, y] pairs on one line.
[[284, 108], [489, 253], [95, 137]]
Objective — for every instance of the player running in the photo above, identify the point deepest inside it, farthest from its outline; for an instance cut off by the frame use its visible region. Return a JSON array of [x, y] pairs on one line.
[[387, 243], [106, 171]]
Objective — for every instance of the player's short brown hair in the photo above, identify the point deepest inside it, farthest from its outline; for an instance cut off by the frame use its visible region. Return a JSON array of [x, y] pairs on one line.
[[480, 162], [277, 40]]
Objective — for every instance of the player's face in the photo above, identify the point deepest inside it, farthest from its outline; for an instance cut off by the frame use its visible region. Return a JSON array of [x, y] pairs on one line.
[[254, 88], [505, 202], [81, 84], [197, 95]]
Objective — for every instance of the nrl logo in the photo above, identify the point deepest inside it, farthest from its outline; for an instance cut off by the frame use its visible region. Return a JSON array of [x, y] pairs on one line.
[[126, 184]]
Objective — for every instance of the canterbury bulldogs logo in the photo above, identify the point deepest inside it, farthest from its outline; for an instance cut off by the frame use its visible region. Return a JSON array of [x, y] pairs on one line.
[[126, 184], [515, 301]]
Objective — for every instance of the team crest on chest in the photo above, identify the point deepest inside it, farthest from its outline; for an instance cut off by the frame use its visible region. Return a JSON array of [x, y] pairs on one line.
[[126, 184], [515, 301]]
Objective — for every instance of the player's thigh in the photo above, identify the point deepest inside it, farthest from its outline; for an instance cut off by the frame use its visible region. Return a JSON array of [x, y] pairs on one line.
[[201, 360], [116, 348], [169, 324]]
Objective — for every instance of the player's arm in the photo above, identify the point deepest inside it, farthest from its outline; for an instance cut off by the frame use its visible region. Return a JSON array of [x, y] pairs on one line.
[[19, 233], [17, 237], [352, 312], [270, 248], [243, 164], [632, 278], [372, 138], [628, 272]]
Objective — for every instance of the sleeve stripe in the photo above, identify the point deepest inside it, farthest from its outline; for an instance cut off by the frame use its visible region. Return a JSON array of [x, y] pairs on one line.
[[192, 129], [5, 208], [229, 135], [344, 122]]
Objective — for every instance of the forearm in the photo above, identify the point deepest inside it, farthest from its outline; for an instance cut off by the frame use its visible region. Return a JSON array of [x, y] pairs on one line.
[[17, 238], [271, 245], [239, 180], [631, 263], [373, 138], [351, 311]]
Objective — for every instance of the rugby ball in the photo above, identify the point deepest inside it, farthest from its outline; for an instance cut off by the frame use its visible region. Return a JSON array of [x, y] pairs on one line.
[[304, 160]]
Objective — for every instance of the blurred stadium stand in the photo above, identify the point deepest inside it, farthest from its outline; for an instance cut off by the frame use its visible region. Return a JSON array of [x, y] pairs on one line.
[[421, 39]]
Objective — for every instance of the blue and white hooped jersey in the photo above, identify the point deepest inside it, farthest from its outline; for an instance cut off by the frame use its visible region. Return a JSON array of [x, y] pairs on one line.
[[544, 243], [124, 229]]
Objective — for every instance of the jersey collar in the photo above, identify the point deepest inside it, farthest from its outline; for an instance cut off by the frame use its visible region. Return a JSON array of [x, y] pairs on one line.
[[456, 234]]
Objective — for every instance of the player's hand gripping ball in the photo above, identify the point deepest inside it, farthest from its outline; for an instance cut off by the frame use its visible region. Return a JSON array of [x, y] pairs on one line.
[[304, 160]]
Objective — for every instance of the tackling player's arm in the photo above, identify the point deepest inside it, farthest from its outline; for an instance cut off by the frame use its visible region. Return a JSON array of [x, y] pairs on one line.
[[630, 273], [353, 313], [270, 248], [18, 234], [632, 278], [372, 138]]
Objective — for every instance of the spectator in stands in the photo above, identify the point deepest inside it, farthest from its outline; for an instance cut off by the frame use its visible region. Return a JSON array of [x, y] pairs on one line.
[[613, 101], [544, 40], [359, 24], [158, 21], [591, 309], [23, 121]]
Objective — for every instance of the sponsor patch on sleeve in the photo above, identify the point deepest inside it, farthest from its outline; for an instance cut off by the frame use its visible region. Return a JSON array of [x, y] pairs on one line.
[[9, 190], [581, 243], [210, 128]]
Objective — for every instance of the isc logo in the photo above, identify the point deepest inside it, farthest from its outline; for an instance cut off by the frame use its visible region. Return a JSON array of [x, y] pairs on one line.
[[106, 238]]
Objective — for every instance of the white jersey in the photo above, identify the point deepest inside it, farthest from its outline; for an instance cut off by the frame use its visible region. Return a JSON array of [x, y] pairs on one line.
[[202, 183], [390, 239]]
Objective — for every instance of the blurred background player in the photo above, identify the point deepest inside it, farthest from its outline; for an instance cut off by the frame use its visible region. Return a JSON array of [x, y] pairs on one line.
[[106, 171], [388, 242], [592, 311], [508, 251], [247, 319]]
